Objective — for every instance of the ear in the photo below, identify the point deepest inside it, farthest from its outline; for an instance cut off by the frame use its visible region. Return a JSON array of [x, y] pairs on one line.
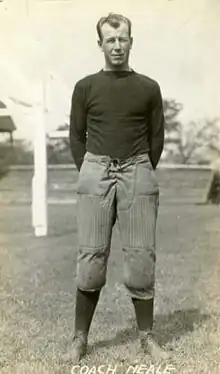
[[100, 44], [131, 42]]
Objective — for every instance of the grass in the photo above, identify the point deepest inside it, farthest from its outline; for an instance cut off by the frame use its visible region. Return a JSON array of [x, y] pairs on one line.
[[37, 294]]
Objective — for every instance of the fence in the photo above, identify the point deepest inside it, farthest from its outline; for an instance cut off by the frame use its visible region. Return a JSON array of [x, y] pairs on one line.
[[178, 184]]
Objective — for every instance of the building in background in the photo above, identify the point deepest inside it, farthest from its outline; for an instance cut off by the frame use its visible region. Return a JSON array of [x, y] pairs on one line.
[[7, 125]]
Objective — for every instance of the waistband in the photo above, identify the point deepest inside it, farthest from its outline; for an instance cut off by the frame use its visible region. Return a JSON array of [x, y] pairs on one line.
[[144, 157]]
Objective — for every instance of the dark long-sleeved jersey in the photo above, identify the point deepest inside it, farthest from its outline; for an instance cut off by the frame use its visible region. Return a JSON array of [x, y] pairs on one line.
[[118, 114]]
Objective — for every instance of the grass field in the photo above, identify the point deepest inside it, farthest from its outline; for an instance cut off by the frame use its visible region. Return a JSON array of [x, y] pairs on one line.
[[37, 294]]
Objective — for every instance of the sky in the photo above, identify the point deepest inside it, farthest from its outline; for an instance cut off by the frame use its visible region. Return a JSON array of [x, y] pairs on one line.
[[49, 44]]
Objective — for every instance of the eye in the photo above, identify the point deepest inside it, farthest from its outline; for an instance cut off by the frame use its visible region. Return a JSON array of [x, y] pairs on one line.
[[111, 40], [123, 40]]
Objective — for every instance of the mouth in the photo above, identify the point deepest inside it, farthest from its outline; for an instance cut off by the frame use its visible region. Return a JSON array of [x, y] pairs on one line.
[[117, 56]]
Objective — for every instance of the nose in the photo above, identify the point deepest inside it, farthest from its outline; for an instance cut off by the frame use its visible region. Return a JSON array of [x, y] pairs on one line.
[[117, 45]]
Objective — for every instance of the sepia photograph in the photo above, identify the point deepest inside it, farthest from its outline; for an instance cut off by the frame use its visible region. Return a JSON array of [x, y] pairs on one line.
[[109, 187]]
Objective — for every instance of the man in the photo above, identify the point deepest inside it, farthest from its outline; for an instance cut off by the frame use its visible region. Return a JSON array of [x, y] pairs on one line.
[[116, 139]]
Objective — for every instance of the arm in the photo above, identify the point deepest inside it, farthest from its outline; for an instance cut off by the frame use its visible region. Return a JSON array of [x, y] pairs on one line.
[[77, 132], [156, 139]]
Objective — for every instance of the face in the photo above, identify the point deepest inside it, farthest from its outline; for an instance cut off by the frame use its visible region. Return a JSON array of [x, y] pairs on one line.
[[116, 45]]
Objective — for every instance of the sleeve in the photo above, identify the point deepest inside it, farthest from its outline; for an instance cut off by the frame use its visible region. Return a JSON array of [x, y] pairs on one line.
[[156, 132], [78, 125]]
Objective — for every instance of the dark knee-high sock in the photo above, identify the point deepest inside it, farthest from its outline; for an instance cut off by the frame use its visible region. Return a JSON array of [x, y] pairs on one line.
[[144, 310], [86, 303]]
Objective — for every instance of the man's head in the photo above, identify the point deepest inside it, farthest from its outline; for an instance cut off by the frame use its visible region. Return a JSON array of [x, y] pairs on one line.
[[115, 40]]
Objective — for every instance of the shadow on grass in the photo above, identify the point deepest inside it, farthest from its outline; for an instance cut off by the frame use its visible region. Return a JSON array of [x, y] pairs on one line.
[[179, 323], [167, 328]]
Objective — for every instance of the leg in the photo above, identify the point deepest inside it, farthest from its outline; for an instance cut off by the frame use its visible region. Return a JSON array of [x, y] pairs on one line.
[[137, 227], [137, 224], [86, 303], [144, 311], [96, 217]]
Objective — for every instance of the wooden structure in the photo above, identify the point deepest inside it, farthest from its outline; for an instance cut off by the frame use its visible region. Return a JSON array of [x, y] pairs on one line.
[[6, 123], [213, 195]]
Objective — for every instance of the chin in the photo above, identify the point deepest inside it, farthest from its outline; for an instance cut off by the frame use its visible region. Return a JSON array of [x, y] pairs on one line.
[[118, 63]]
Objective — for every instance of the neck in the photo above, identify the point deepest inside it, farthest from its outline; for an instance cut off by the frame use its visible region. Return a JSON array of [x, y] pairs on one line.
[[117, 68]]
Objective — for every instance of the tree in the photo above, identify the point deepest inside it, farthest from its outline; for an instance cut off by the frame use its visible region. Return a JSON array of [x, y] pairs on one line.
[[58, 150], [196, 142], [171, 112], [4, 159], [199, 140], [18, 153]]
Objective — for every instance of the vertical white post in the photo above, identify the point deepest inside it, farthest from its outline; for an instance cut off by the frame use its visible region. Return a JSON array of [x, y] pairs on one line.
[[39, 181]]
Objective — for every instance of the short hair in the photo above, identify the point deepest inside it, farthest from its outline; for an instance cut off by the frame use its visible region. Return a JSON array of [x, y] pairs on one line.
[[114, 20]]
